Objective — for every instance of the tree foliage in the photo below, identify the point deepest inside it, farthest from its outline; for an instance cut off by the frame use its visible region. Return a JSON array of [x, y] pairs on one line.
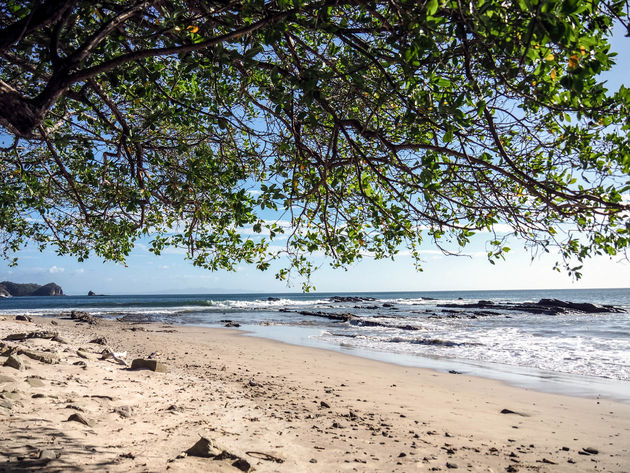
[[368, 126]]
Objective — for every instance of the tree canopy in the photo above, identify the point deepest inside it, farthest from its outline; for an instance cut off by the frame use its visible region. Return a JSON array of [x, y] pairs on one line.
[[365, 126]]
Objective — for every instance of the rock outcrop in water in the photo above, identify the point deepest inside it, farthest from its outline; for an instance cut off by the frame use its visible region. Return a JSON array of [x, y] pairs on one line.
[[353, 319], [8, 289], [543, 306], [351, 299]]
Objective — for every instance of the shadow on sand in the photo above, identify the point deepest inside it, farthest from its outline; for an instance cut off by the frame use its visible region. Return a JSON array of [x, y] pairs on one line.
[[20, 448]]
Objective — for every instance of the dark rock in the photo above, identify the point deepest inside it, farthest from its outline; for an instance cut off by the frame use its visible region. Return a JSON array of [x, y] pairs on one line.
[[312, 460], [544, 306], [509, 411], [242, 465], [232, 324], [81, 316], [590, 450], [4, 292], [351, 299], [15, 361], [352, 319], [174, 408], [24, 318], [91, 293], [136, 318], [273, 299], [548, 462], [324, 404], [454, 372], [100, 341], [326, 315], [152, 365], [80, 418], [585, 307], [452, 466], [204, 448]]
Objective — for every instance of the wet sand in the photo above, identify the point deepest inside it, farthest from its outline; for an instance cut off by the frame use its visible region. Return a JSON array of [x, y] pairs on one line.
[[274, 407]]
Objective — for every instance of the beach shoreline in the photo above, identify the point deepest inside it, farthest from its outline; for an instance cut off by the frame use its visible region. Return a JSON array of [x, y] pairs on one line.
[[265, 401], [552, 382]]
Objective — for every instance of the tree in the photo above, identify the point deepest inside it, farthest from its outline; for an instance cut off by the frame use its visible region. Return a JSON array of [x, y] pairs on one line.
[[367, 126]]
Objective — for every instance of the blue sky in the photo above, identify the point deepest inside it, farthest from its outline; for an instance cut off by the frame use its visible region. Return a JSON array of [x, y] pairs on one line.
[[146, 273]]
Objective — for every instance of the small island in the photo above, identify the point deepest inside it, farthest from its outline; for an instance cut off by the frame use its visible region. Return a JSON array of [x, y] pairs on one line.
[[11, 289]]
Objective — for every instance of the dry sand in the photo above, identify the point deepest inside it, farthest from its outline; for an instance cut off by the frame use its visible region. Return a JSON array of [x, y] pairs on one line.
[[276, 407]]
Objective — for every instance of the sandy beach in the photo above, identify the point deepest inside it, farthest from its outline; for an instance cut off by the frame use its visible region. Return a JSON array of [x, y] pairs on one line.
[[265, 406]]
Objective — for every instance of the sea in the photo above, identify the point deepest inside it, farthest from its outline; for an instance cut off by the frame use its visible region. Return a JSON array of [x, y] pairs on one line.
[[574, 353]]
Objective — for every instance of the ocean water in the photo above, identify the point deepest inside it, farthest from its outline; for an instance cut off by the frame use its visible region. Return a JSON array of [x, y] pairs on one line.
[[574, 353]]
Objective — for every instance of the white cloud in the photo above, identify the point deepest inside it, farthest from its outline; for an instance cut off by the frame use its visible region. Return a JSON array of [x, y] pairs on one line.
[[79, 271], [174, 250], [55, 269], [164, 266], [499, 228]]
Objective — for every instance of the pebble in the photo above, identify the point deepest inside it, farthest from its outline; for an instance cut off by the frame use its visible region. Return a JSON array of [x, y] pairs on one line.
[[16, 362], [204, 448], [35, 382], [48, 455], [125, 411], [81, 419], [591, 450], [242, 465], [11, 395]]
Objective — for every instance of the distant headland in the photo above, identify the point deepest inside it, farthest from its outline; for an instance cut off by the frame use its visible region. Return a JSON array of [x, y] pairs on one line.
[[11, 289]]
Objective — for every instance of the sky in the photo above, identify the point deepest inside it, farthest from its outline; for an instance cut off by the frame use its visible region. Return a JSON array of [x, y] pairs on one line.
[[145, 273]]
